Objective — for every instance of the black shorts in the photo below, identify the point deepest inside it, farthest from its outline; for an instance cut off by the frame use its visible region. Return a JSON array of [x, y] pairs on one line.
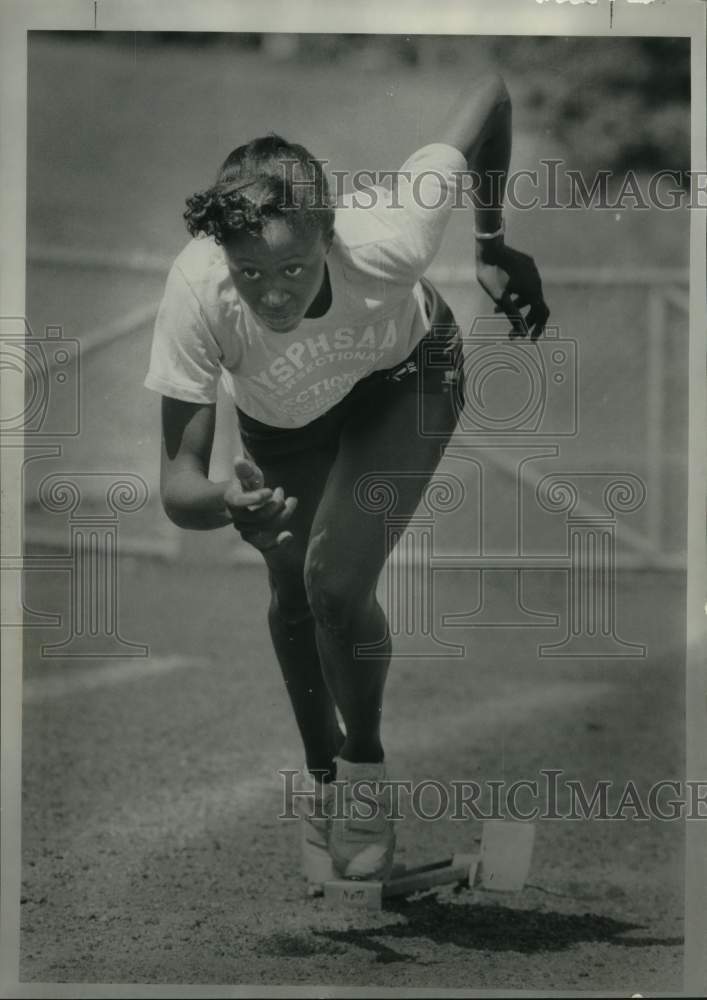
[[435, 365]]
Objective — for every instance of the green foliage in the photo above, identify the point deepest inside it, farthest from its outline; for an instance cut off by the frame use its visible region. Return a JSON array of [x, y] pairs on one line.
[[615, 103]]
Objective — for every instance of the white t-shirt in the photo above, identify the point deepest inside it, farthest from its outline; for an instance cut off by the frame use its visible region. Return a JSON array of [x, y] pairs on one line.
[[384, 242]]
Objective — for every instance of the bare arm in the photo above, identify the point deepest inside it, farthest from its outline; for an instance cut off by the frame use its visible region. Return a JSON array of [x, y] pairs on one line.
[[479, 126], [189, 497]]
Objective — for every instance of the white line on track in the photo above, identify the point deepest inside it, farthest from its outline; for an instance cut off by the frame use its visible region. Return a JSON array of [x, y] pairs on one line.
[[105, 674], [231, 802]]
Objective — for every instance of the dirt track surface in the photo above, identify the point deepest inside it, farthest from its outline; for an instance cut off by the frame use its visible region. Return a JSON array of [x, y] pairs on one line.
[[151, 844]]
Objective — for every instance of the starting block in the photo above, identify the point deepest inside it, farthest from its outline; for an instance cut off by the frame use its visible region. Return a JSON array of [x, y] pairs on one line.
[[502, 865], [506, 853]]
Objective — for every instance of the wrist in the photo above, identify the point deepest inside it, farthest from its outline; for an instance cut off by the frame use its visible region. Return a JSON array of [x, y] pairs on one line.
[[488, 230], [489, 251], [198, 506]]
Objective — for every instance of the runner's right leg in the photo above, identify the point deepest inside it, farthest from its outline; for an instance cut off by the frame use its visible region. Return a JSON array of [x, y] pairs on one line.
[[292, 628]]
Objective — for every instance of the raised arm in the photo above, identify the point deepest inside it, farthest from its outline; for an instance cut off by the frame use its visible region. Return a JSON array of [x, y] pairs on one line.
[[479, 126]]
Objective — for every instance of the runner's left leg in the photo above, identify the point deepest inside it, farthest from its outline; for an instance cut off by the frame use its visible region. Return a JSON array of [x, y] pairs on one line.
[[349, 545]]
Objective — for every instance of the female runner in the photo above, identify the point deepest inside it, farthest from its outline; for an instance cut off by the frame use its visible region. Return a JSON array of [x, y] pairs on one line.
[[318, 319]]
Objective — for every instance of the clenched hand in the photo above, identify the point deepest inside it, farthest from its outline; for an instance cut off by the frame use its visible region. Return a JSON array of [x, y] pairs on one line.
[[513, 282]]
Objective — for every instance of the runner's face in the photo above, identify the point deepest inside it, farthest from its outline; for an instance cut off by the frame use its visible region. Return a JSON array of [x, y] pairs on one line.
[[278, 273]]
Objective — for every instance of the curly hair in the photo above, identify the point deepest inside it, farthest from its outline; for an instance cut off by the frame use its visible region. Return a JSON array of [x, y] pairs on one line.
[[268, 178]]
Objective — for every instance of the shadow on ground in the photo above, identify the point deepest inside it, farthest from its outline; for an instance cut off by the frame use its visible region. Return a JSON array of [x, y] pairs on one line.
[[476, 928]]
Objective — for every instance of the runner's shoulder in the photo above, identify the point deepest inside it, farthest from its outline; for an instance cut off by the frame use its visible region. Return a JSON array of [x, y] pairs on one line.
[[201, 259], [201, 267]]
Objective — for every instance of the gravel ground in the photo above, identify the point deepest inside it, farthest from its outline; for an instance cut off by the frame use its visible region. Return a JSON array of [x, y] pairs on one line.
[[152, 852]]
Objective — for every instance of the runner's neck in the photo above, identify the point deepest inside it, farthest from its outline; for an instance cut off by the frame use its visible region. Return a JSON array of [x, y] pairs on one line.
[[322, 302]]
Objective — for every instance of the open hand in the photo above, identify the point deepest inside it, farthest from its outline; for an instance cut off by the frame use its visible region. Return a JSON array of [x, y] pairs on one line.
[[513, 282], [258, 512]]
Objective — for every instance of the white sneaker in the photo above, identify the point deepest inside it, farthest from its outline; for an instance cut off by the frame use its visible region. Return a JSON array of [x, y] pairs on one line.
[[314, 815], [361, 845]]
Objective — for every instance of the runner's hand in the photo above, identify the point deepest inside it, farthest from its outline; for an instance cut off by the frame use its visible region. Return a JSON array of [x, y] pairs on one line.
[[258, 513], [513, 282]]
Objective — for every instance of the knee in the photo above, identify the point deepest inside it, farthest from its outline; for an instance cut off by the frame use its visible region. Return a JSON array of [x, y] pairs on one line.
[[288, 595], [334, 594]]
